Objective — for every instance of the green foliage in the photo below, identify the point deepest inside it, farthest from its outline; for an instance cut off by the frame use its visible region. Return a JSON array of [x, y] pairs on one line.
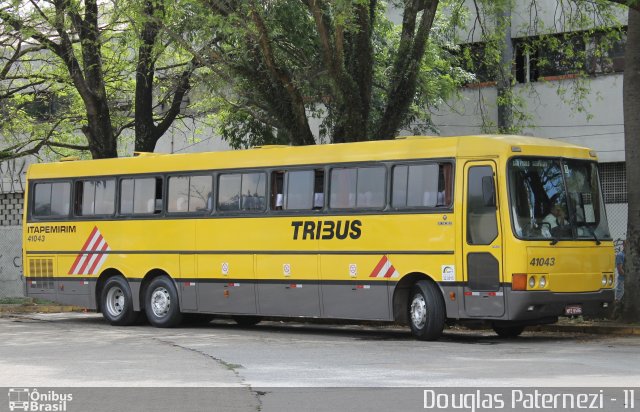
[[43, 112], [250, 111]]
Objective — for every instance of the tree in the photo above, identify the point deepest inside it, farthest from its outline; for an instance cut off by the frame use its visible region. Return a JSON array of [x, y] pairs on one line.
[[79, 54], [631, 102], [279, 65]]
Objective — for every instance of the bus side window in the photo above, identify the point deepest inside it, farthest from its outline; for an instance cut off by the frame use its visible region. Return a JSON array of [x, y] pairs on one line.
[[187, 194], [318, 189], [246, 191], [52, 199], [277, 190], [421, 185], [95, 197], [141, 196]]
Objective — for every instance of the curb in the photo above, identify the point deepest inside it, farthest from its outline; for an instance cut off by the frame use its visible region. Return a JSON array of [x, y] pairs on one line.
[[9, 309]]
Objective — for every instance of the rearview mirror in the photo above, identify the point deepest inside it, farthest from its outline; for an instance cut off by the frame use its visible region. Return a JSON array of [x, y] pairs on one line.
[[488, 191]]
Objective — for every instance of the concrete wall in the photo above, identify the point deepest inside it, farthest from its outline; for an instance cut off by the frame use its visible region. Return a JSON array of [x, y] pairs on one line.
[[600, 128], [11, 283]]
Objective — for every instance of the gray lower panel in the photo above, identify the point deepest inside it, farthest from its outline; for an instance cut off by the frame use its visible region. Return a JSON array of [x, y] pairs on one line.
[[356, 301], [551, 304], [278, 299], [73, 287], [484, 304], [238, 297], [188, 296]]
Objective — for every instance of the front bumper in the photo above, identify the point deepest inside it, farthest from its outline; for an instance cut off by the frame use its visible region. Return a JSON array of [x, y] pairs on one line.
[[525, 305]]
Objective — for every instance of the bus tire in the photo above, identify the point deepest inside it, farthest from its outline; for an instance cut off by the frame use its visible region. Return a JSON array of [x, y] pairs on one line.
[[247, 320], [161, 303], [117, 303], [508, 332], [426, 311]]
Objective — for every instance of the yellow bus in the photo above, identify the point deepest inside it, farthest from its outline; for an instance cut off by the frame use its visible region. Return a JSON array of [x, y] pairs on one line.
[[425, 231]]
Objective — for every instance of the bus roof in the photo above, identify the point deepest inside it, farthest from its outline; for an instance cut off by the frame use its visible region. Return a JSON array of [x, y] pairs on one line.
[[402, 148]]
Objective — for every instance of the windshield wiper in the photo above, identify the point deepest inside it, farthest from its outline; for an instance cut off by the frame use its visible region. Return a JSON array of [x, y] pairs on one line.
[[554, 241], [591, 230], [593, 233]]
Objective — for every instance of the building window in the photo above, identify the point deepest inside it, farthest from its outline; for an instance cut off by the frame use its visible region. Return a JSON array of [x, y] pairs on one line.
[[613, 178], [606, 54], [474, 59], [566, 55]]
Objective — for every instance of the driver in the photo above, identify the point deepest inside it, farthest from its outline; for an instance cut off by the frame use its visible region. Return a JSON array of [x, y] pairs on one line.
[[556, 218]]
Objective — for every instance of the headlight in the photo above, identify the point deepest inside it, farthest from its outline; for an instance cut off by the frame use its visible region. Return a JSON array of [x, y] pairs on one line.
[[610, 280], [532, 282], [543, 282], [604, 280]]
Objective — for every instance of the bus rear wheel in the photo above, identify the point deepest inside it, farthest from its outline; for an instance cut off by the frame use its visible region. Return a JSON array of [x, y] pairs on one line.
[[116, 302], [508, 332], [426, 311], [161, 303]]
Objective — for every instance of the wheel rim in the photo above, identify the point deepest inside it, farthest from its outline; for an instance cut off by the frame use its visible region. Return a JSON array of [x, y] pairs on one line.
[[418, 311], [160, 302], [115, 301]]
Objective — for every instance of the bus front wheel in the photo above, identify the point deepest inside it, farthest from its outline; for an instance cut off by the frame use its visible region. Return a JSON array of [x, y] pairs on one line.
[[426, 311], [161, 303], [116, 302]]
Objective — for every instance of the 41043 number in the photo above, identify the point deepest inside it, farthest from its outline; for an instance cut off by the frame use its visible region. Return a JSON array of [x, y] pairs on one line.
[[543, 261]]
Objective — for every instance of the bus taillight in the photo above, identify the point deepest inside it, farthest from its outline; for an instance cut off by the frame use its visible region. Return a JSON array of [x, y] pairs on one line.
[[519, 281]]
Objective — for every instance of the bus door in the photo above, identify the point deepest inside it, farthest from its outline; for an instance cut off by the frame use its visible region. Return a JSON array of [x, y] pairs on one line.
[[482, 244]]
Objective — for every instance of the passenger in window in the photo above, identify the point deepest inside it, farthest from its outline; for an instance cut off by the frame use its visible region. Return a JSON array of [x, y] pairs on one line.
[[554, 222]]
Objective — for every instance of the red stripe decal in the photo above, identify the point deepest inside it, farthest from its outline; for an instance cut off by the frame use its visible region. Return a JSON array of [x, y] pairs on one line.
[[389, 272], [86, 261], [468, 293], [382, 262], [98, 257], [84, 247]]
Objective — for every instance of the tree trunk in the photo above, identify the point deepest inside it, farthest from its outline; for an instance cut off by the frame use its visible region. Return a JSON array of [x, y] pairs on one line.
[[505, 90], [631, 101]]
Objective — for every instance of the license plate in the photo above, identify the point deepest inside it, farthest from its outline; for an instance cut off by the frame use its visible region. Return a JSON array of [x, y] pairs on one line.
[[573, 310]]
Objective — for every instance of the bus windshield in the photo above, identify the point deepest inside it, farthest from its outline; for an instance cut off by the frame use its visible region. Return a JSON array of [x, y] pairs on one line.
[[556, 199]]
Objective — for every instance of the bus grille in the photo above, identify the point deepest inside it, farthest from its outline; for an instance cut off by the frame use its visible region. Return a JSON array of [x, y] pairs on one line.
[[42, 268]]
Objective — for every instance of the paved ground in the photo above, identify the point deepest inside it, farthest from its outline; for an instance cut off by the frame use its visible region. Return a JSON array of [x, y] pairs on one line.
[[74, 349]]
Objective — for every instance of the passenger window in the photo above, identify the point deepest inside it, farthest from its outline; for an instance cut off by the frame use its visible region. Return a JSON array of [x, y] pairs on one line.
[[52, 199], [95, 197], [141, 196], [190, 194], [297, 190], [361, 187], [245, 192], [426, 185]]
